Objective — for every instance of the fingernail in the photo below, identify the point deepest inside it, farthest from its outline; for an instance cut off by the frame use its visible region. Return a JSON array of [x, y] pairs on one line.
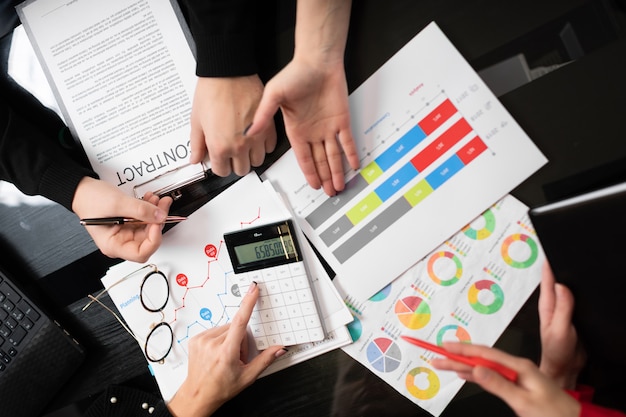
[[281, 352], [245, 131], [252, 286]]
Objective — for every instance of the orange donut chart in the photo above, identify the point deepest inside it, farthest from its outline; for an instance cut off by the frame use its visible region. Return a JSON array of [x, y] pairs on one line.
[[444, 255]]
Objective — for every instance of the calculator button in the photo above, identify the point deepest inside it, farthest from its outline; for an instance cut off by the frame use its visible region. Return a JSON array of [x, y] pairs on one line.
[[270, 328], [297, 268], [277, 300], [290, 298], [267, 315], [298, 323], [286, 284], [280, 313], [294, 310], [261, 343], [308, 309], [312, 322], [316, 334], [269, 274], [288, 338]]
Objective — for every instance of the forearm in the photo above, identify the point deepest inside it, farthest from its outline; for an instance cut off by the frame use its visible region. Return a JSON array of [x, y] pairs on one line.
[[34, 163], [224, 34], [322, 30]]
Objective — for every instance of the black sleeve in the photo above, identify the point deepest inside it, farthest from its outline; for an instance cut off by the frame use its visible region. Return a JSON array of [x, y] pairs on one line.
[[123, 401], [224, 32], [34, 163]]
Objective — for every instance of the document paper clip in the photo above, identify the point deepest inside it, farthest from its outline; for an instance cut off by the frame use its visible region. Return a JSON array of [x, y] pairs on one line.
[[170, 182]]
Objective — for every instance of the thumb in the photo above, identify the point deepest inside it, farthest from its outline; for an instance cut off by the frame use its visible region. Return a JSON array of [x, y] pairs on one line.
[[262, 361], [268, 106], [142, 210]]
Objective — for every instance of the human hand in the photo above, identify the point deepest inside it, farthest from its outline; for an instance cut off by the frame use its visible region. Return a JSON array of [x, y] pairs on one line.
[[314, 102], [222, 109], [97, 198], [562, 355], [218, 366], [534, 394]]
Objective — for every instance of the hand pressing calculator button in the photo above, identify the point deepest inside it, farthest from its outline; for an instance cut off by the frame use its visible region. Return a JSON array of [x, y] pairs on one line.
[[286, 313]]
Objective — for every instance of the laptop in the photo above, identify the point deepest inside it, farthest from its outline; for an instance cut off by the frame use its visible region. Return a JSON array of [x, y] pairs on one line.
[[584, 239], [37, 356]]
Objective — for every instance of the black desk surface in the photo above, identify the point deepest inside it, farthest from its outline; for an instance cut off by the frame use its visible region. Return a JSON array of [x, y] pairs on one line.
[[573, 114]]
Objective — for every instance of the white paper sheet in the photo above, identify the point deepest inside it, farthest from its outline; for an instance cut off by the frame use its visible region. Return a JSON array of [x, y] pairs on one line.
[[437, 148], [468, 289], [204, 291], [123, 74]]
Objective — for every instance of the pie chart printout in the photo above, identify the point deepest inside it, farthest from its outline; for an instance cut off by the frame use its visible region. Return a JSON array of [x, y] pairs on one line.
[[384, 354], [413, 312]]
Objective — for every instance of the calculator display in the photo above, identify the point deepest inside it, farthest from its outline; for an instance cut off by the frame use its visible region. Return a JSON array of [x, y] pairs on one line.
[[279, 247], [263, 246]]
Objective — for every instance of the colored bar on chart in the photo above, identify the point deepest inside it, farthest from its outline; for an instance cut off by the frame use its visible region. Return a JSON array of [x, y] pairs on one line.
[[336, 230], [364, 208], [333, 204], [418, 192], [371, 172], [445, 171], [400, 148], [437, 117], [372, 229], [440, 146], [398, 180], [470, 151]]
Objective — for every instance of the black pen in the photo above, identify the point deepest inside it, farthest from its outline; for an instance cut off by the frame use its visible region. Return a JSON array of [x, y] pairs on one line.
[[110, 221]]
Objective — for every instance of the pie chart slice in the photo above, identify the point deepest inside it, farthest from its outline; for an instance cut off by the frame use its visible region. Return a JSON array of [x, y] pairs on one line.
[[384, 355], [413, 312]]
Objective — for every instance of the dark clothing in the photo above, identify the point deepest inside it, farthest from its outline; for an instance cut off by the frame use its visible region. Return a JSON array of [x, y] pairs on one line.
[[31, 155], [121, 401]]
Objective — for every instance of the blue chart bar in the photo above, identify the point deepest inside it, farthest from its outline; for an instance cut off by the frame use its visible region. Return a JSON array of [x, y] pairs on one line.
[[402, 177], [400, 148], [445, 171]]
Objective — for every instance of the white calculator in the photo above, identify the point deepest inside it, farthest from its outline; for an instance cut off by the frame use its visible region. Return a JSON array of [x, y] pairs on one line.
[[286, 313]]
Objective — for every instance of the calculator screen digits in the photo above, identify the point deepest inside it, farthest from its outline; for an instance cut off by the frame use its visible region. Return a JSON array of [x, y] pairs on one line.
[[263, 246], [278, 247]]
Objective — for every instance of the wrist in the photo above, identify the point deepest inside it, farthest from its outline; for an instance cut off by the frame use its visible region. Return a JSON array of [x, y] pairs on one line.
[[189, 402]]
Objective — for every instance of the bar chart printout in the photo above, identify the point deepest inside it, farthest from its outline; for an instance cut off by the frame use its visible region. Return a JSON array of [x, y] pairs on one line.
[[437, 148]]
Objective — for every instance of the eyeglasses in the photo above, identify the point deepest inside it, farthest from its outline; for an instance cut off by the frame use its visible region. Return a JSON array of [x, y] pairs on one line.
[[154, 293]]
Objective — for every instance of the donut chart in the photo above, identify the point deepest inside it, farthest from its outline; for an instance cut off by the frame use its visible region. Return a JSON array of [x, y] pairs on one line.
[[447, 259], [459, 333], [384, 355], [355, 328], [484, 232], [519, 251], [494, 292], [414, 380], [413, 312]]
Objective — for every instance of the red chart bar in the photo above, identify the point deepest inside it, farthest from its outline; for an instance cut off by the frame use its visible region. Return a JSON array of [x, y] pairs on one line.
[[436, 117], [447, 140], [470, 151]]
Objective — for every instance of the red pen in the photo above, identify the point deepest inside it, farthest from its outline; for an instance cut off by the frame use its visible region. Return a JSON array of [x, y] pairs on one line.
[[508, 373]]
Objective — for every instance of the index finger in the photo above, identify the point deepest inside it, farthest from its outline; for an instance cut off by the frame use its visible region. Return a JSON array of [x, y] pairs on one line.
[[240, 321]]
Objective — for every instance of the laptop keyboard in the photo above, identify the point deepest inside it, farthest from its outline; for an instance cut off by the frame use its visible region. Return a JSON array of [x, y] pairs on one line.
[[17, 318]]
